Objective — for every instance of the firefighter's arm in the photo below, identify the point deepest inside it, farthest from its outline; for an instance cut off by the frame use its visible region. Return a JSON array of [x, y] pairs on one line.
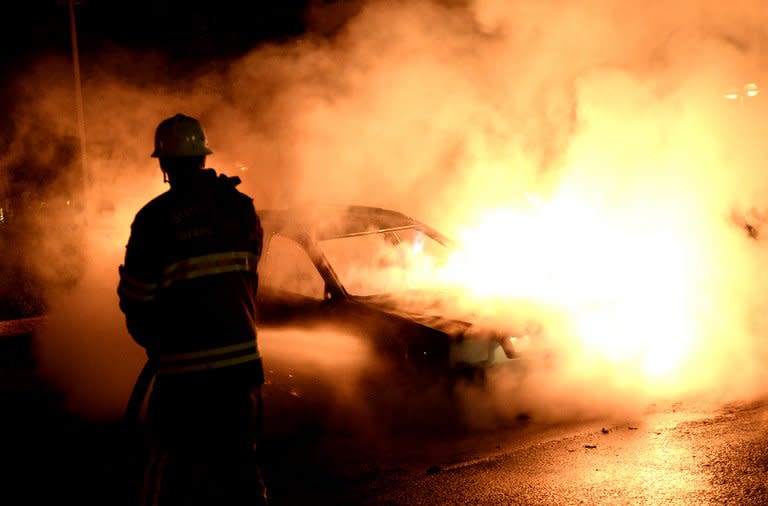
[[139, 280], [137, 302]]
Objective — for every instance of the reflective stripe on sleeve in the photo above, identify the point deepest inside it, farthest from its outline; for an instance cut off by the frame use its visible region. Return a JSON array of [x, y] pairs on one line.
[[134, 289], [209, 265]]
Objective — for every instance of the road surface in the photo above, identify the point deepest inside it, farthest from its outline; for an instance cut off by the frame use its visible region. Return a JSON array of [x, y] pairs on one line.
[[673, 453]]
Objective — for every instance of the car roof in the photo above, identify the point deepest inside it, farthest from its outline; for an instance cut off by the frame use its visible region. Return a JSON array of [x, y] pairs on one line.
[[324, 222]]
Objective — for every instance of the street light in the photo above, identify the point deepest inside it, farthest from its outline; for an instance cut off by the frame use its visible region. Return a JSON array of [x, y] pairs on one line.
[[78, 93]]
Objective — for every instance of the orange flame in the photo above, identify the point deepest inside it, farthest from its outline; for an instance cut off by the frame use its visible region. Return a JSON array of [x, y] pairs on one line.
[[628, 288]]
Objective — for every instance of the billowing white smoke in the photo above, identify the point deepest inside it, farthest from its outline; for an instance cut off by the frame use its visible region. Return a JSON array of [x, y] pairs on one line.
[[444, 111]]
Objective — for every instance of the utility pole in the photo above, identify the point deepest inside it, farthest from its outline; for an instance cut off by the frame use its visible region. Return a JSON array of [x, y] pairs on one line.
[[78, 96]]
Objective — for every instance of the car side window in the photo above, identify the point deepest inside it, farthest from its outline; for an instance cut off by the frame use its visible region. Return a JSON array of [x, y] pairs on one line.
[[286, 266], [387, 262]]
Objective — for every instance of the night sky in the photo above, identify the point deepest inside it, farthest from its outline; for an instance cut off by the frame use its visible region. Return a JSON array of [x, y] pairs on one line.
[[189, 32], [190, 36]]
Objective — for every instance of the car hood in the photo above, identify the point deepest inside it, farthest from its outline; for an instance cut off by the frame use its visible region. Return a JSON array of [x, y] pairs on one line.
[[439, 311], [476, 339]]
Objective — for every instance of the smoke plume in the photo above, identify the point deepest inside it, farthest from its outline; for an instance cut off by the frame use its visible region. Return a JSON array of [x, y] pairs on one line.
[[630, 193]]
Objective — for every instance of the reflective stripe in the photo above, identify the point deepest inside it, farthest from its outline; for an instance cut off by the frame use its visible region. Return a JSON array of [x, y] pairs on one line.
[[215, 364], [135, 289], [125, 291], [131, 294], [213, 358], [190, 268], [209, 265], [224, 350]]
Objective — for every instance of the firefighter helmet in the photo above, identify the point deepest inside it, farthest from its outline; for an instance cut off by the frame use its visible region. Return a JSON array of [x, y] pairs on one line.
[[180, 135]]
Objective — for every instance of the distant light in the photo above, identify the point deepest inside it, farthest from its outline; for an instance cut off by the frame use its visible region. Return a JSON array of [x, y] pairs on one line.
[[67, 202], [2, 216], [243, 168], [749, 90]]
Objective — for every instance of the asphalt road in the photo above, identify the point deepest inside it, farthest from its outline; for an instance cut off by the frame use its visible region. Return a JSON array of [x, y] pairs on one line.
[[674, 453]]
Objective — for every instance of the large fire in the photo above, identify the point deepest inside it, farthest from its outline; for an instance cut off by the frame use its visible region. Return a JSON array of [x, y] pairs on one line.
[[586, 158], [629, 289], [641, 276]]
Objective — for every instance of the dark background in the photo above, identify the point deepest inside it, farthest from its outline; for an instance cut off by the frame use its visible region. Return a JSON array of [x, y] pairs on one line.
[[186, 30]]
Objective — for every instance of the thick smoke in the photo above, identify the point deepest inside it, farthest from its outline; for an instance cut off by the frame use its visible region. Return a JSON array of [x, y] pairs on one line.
[[612, 117]]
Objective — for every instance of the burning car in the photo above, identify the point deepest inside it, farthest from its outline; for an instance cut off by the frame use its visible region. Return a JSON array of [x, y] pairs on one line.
[[356, 269]]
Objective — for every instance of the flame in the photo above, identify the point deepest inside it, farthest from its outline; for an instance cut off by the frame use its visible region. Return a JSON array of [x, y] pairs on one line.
[[629, 288]]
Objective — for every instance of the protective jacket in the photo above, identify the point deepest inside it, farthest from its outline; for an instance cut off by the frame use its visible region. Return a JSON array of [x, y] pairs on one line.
[[188, 284]]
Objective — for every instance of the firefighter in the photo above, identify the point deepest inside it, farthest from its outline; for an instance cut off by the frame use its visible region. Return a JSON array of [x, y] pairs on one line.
[[188, 288]]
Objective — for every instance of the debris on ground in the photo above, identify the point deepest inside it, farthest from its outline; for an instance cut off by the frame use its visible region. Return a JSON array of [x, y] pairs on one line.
[[523, 417]]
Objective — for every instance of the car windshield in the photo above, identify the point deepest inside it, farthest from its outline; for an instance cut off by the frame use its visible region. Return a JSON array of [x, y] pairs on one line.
[[385, 262]]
